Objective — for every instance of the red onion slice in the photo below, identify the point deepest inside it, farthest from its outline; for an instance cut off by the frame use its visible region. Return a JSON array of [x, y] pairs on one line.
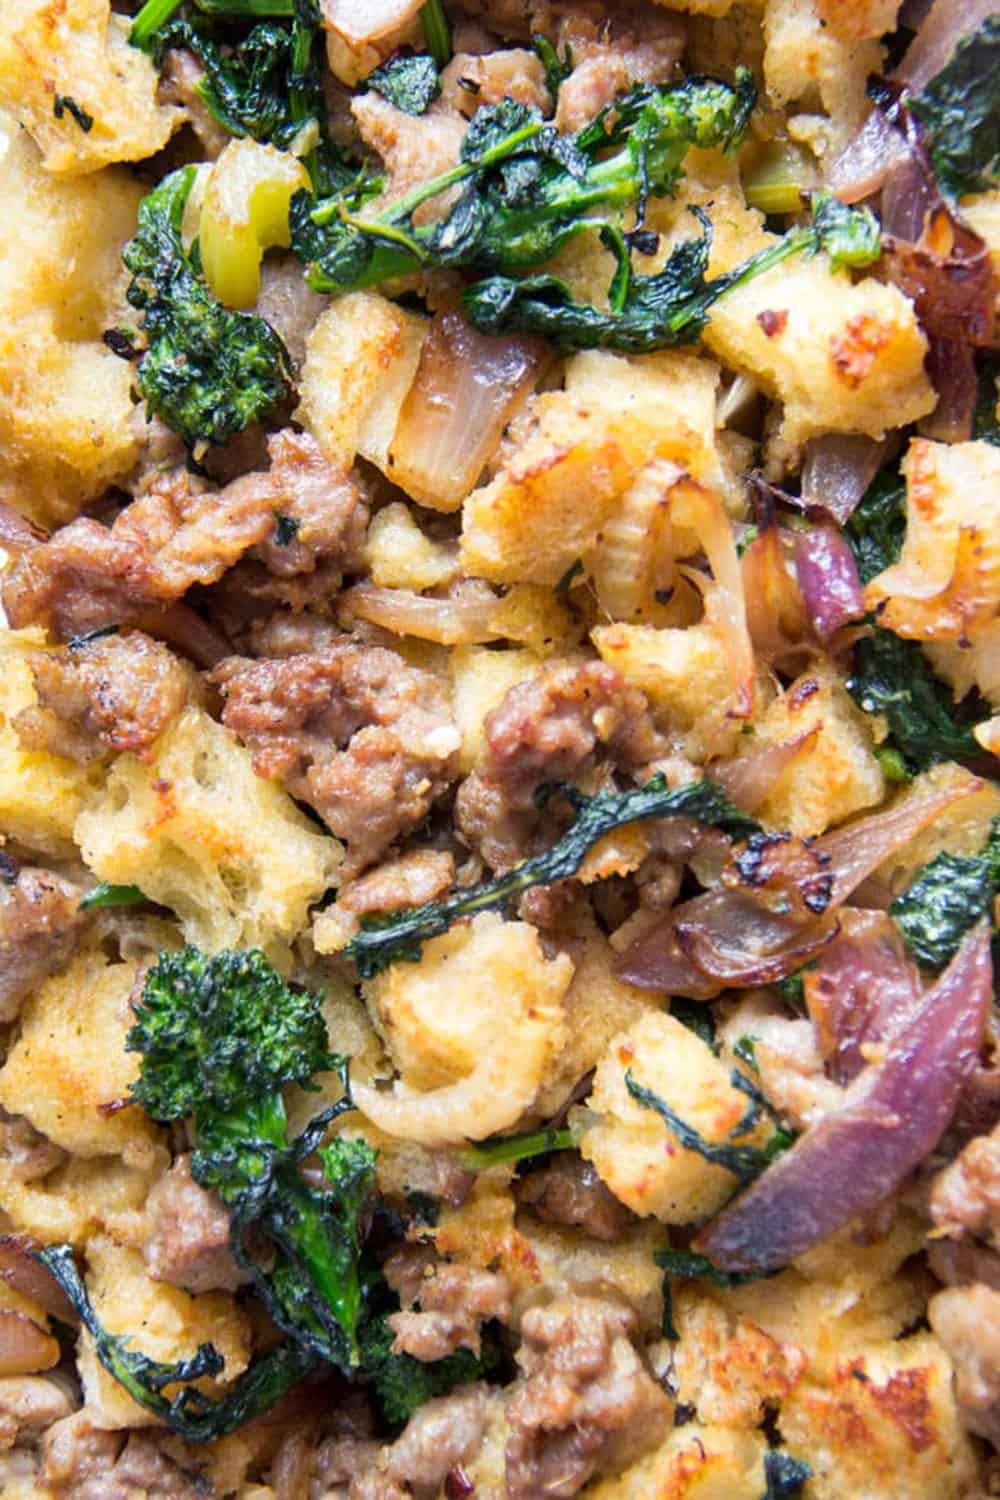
[[837, 469], [952, 369], [861, 990], [861, 168], [893, 1114], [828, 579]]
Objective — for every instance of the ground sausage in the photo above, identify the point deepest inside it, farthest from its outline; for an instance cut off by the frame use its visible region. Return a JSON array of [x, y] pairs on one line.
[[452, 1303], [82, 1462], [967, 1321], [444, 1433], [40, 924], [965, 1198], [355, 731], [188, 1241], [118, 692], [585, 1401], [554, 726], [571, 1192]]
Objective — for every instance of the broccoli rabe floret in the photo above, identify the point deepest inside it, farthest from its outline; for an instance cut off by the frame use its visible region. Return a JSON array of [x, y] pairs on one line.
[[526, 189], [399, 937], [669, 308], [220, 1037], [188, 1410], [207, 371], [950, 894]]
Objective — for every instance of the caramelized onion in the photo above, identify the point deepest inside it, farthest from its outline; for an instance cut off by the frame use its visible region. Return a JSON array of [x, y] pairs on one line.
[[762, 927], [20, 1270], [25, 1347], [862, 988], [776, 611], [837, 469], [828, 579], [893, 1114], [861, 168], [940, 33], [457, 621], [725, 605], [952, 369], [750, 779], [467, 388]]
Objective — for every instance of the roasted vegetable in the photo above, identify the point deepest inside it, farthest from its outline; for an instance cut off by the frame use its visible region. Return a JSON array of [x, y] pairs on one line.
[[745, 1162], [960, 116], [671, 307], [526, 189], [188, 1411], [207, 371], [220, 1037], [951, 894], [402, 1384], [410, 83], [398, 937]]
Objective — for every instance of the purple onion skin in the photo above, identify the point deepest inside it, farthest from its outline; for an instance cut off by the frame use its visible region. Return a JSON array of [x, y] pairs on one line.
[[828, 579], [891, 1117]]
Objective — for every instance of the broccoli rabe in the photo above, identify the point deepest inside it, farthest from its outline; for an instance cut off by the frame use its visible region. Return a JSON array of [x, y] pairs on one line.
[[950, 894], [188, 1410], [959, 114], [398, 937], [402, 1384], [671, 307], [745, 1162], [207, 371], [526, 189], [510, 1148], [892, 676], [410, 83], [220, 1038], [784, 1475]]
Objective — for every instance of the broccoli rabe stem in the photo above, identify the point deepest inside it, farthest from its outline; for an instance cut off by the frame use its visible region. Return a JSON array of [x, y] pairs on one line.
[[188, 1411], [437, 33], [153, 15], [513, 1148], [156, 13], [399, 937]]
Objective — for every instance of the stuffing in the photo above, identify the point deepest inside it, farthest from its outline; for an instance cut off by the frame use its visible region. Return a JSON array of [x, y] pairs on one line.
[[165, 1322], [41, 794], [837, 774], [199, 831], [961, 828], [726, 1367], [563, 477], [401, 556], [361, 359], [885, 1424], [947, 581], [559, 1260], [467, 1070], [79, 53], [818, 57], [695, 1463], [64, 397], [80, 1198], [68, 1071], [637, 1155], [480, 680]]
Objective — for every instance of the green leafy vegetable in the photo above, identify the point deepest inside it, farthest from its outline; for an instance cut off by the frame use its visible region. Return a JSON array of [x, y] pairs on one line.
[[220, 1038], [111, 895], [892, 676], [670, 307], [690, 1266], [960, 113], [986, 427], [286, 529], [403, 1384], [557, 69], [745, 1162], [207, 371], [746, 1051], [950, 894], [398, 937], [410, 83], [188, 1411], [526, 190], [62, 105], [785, 1476], [697, 1017], [513, 1148], [437, 32]]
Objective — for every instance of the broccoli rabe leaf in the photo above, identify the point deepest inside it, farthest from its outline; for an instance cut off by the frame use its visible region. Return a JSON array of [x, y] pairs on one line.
[[187, 1410], [950, 894], [399, 937], [557, 69], [402, 1384], [207, 371], [785, 1476], [104, 894], [892, 676], [221, 1036], [525, 189], [689, 1266], [410, 83], [669, 308], [437, 32], [697, 1017], [745, 1162], [960, 113]]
